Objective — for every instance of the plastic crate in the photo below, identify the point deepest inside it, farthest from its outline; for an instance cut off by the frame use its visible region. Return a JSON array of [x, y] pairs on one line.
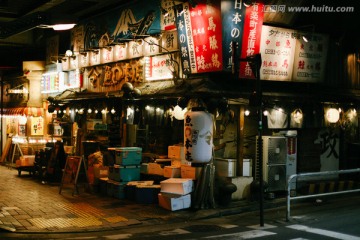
[[126, 156]]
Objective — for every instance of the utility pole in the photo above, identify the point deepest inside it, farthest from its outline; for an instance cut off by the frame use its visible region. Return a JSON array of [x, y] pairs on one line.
[[255, 64]]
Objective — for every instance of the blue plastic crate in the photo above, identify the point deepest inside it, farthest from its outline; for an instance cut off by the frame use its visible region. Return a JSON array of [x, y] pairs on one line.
[[128, 156], [147, 194], [119, 189], [124, 173]]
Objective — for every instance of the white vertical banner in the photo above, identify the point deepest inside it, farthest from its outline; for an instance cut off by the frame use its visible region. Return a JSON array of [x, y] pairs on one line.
[[310, 57], [277, 50]]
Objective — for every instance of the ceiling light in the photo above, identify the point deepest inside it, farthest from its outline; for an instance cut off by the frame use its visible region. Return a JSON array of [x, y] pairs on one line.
[[68, 53], [62, 27], [305, 39]]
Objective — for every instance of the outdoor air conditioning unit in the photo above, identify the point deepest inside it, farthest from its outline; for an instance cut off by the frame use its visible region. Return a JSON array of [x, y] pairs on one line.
[[274, 161]]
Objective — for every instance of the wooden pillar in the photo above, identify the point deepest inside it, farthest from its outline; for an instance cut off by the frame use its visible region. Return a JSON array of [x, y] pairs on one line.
[[240, 140]]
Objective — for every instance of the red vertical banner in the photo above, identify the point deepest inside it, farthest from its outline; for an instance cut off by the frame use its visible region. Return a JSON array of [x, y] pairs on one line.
[[251, 37], [200, 34]]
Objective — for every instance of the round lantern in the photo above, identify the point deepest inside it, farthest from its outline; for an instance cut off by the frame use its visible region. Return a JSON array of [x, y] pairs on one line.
[[332, 115], [198, 135]]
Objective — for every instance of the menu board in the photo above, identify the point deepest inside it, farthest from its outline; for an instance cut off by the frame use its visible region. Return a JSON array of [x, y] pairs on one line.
[[277, 50], [158, 67], [310, 57], [37, 126]]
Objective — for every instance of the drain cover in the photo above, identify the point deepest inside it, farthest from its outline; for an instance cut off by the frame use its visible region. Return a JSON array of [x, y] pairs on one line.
[[202, 228]]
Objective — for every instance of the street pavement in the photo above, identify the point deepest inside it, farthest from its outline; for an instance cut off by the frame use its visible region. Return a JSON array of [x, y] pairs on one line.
[[29, 205]]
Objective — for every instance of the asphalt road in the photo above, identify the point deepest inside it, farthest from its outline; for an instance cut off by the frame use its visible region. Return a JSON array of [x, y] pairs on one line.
[[330, 218]]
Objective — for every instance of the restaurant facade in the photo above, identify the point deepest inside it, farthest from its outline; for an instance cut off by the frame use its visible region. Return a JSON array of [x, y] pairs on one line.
[[132, 77]]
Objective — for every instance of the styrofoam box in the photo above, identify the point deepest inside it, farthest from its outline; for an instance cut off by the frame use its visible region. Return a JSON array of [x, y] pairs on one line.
[[128, 155], [174, 202], [124, 173], [181, 186], [172, 172]]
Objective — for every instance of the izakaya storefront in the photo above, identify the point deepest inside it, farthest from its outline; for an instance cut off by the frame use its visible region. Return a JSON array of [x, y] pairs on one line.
[[179, 47]]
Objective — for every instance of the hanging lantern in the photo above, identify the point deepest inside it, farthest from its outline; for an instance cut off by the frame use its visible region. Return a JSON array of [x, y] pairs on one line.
[[332, 115], [198, 135]]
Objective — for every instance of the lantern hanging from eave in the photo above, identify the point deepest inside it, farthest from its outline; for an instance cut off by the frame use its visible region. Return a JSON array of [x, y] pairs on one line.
[[332, 115], [198, 135]]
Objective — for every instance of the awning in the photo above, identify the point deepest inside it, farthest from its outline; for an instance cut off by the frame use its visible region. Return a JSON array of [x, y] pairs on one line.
[[20, 111]]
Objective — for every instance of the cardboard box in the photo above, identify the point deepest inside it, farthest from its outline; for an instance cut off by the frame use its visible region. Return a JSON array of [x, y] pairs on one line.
[[174, 202], [142, 183], [176, 152], [101, 172], [156, 169], [190, 172], [172, 172], [179, 186], [25, 161]]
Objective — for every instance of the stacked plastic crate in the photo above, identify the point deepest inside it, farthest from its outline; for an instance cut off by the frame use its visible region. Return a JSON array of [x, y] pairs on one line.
[[126, 169]]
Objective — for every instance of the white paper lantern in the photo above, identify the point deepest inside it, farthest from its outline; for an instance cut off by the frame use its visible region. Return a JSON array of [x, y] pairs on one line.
[[332, 115], [198, 136], [179, 113]]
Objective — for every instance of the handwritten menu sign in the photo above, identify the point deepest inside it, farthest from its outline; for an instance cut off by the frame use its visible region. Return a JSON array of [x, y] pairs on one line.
[[277, 52], [200, 37], [37, 126], [310, 57]]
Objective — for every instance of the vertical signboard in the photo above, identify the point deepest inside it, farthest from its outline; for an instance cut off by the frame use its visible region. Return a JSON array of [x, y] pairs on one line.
[[277, 52], [169, 41], [120, 52], [151, 46], [310, 57], [186, 41], [251, 37], [94, 57], [232, 13], [106, 55], [200, 37], [135, 49], [168, 14]]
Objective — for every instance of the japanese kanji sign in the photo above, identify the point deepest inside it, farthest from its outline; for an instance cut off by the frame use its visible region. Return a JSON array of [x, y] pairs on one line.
[[200, 37], [233, 14], [277, 52], [251, 37], [310, 57]]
